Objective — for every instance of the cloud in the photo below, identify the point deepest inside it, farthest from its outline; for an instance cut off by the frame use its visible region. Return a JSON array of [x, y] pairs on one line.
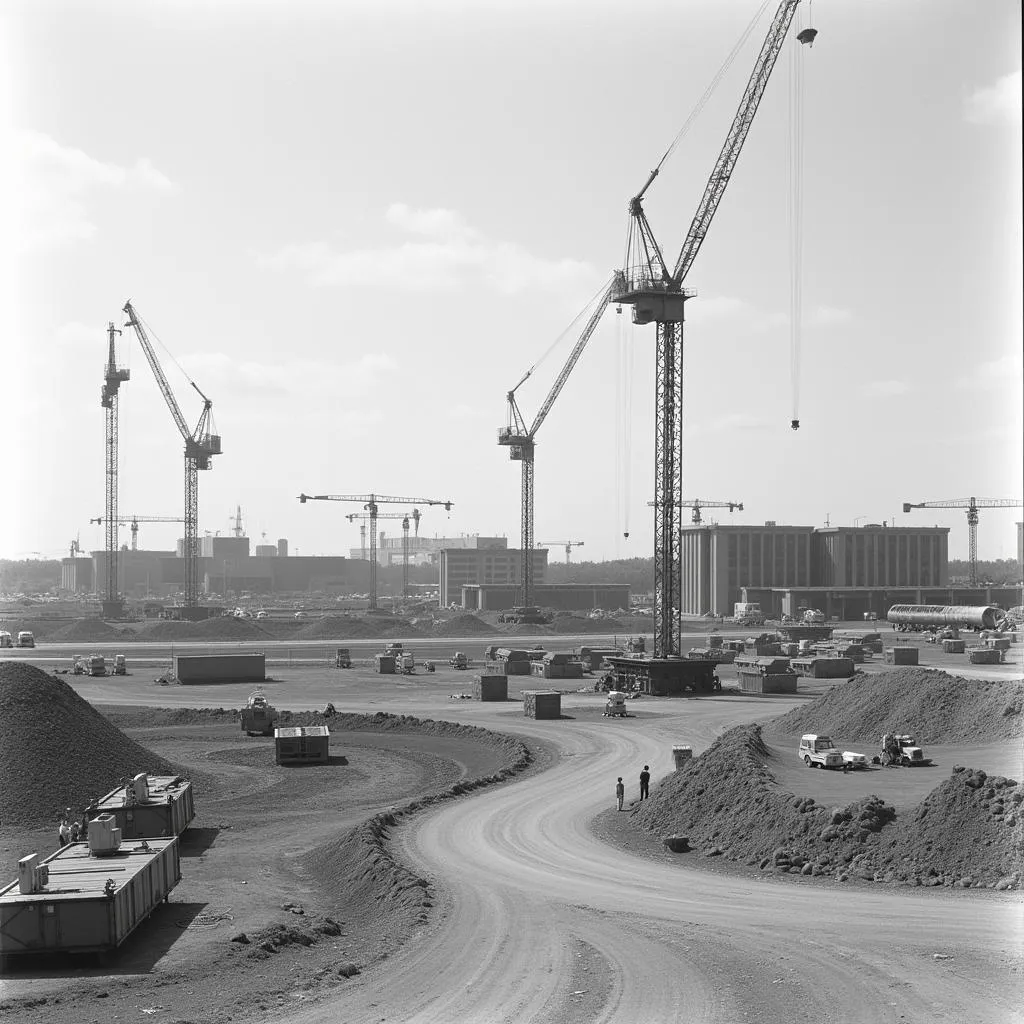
[[885, 388], [998, 103], [447, 255], [1005, 371], [312, 378], [827, 316], [54, 182]]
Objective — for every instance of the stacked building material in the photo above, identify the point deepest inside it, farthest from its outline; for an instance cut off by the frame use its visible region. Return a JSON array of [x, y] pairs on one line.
[[490, 687], [542, 704], [901, 656]]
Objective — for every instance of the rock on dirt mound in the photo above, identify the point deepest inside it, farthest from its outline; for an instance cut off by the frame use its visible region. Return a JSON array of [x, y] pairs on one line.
[[966, 832], [935, 706], [463, 625], [56, 750]]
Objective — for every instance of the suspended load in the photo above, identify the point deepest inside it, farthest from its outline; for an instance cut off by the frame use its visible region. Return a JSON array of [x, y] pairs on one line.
[[795, 424], [806, 36]]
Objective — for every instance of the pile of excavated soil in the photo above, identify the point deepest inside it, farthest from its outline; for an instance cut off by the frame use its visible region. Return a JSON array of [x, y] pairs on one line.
[[225, 628], [41, 629], [89, 631], [338, 627], [968, 832], [580, 624], [934, 706], [56, 750], [463, 625]]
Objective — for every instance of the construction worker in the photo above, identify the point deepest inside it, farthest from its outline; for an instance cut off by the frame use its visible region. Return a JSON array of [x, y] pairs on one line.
[[74, 830], [620, 794], [645, 783], [64, 832]]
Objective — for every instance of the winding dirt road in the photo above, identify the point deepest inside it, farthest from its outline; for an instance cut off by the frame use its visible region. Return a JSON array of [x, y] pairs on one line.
[[525, 883]]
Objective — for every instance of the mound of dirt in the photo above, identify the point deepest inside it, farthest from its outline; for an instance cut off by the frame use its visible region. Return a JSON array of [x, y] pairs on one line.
[[581, 624], [338, 627], [463, 625], [56, 750], [226, 628], [935, 706], [969, 831], [87, 631]]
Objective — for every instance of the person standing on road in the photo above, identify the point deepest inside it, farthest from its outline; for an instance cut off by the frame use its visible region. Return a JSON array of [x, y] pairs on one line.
[[620, 794], [645, 783]]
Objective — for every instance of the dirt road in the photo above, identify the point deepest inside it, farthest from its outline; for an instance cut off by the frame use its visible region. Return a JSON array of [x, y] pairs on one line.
[[542, 922]]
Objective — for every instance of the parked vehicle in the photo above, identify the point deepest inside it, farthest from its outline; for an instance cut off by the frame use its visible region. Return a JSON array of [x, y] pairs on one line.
[[459, 660], [6, 640], [813, 617], [26, 639], [258, 716], [819, 752], [855, 760], [405, 663], [120, 665]]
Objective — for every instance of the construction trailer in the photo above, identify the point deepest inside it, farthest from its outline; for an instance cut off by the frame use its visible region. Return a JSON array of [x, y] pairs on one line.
[[220, 668], [491, 687], [665, 677], [542, 704], [87, 897], [309, 744], [596, 658], [766, 676], [984, 656], [954, 646], [902, 655], [556, 665], [150, 806], [516, 661], [797, 631]]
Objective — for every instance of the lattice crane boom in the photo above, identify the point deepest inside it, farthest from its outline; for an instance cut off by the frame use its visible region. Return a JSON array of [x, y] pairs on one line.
[[200, 446], [658, 296], [520, 439], [371, 503], [567, 544], [133, 522], [970, 506]]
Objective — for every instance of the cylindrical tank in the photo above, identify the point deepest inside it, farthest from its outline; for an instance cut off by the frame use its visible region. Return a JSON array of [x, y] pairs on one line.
[[981, 617], [282, 548]]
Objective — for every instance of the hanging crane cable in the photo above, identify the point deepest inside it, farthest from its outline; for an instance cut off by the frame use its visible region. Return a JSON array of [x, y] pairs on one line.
[[795, 212]]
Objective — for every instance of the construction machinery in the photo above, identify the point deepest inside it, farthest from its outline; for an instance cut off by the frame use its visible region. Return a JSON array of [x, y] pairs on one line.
[[120, 665], [521, 440], [363, 518], [113, 377], [343, 658], [567, 544], [971, 506], [657, 295], [371, 503], [459, 660], [258, 716], [201, 445], [133, 523]]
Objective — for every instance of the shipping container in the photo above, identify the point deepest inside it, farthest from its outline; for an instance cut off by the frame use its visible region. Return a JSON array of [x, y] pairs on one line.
[[823, 668], [220, 668], [384, 664], [83, 902], [149, 806], [984, 656], [773, 682], [310, 744]]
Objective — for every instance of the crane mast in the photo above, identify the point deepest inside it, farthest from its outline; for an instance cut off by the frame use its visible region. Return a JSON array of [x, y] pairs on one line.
[[371, 503], [113, 378], [415, 515], [657, 296], [970, 506], [200, 446], [520, 441]]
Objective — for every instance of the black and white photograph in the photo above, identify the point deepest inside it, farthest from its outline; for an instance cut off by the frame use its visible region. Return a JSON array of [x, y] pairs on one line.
[[321, 318]]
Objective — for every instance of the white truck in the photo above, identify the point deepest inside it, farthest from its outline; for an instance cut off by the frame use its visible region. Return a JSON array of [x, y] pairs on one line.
[[748, 613], [819, 752], [6, 640], [26, 639]]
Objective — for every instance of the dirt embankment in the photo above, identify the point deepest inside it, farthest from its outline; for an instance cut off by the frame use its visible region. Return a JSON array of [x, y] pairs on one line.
[[968, 832]]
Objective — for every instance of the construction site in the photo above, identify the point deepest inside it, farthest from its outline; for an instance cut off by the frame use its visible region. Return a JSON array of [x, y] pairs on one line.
[[758, 771]]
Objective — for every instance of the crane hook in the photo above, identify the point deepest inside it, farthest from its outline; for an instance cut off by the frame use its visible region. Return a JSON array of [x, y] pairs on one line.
[[795, 424]]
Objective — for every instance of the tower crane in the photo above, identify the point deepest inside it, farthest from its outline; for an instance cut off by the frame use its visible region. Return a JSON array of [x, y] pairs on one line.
[[371, 503], [657, 295], [415, 515], [200, 447], [113, 377], [236, 520], [567, 544], [696, 504], [520, 439], [971, 506], [133, 522]]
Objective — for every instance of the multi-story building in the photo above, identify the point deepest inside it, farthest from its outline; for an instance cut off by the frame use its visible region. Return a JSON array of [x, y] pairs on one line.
[[721, 564], [423, 550], [491, 564]]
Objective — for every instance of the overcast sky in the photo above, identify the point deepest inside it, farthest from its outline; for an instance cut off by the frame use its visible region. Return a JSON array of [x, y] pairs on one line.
[[355, 225]]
